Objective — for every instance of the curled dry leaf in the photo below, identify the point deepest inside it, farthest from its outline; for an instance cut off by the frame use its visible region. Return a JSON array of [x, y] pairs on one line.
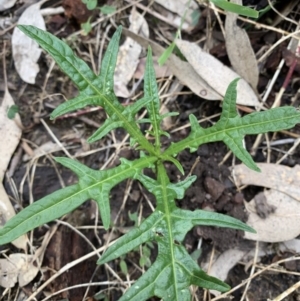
[[26, 51], [10, 132], [128, 57], [219, 76], [282, 222], [223, 264], [182, 70], [17, 268], [179, 7], [280, 225], [6, 4], [239, 49]]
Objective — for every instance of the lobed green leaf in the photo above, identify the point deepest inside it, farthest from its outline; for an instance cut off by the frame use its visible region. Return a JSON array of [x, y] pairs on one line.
[[92, 185], [174, 270], [95, 90], [232, 128]]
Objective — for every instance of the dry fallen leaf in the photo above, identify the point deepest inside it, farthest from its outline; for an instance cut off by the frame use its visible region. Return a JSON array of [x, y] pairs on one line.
[[6, 4], [128, 56], [281, 222], [23, 268], [223, 264], [182, 70], [280, 225], [26, 51], [10, 132], [216, 74], [239, 49], [17, 268], [278, 177], [179, 7]]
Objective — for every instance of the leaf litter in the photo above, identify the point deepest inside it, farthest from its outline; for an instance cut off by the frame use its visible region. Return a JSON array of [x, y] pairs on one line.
[[10, 132], [215, 98], [128, 57], [179, 7], [216, 74], [273, 213], [239, 49], [26, 52]]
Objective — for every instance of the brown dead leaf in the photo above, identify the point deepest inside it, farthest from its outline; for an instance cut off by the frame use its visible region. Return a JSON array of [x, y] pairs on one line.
[[278, 177], [216, 74], [239, 49], [182, 70], [26, 51]]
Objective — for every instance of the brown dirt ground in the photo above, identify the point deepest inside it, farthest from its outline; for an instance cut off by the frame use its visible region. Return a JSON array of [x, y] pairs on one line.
[[213, 187]]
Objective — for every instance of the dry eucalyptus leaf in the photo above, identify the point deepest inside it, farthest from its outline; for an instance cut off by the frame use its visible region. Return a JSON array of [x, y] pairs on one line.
[[281, 225], [26, 51], [129, 53], [17, 268], [278, 177], [239, 49], [6, 4], [216, 74], [10, 132], [182, 70], [179, 7]]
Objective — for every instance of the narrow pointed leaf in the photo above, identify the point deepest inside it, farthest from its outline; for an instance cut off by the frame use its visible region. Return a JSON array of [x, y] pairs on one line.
[[113, 122], [229, 103], [151, 91], [236, 8], [108, 126], [238, 148], [109, 61], [76, 103]]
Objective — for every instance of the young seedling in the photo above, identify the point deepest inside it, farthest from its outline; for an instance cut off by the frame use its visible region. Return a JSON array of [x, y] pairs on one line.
[[174, 270]]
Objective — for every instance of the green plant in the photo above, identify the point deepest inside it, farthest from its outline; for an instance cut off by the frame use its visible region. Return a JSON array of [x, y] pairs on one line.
[[174, 270], [91, 5], [236, 8]]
